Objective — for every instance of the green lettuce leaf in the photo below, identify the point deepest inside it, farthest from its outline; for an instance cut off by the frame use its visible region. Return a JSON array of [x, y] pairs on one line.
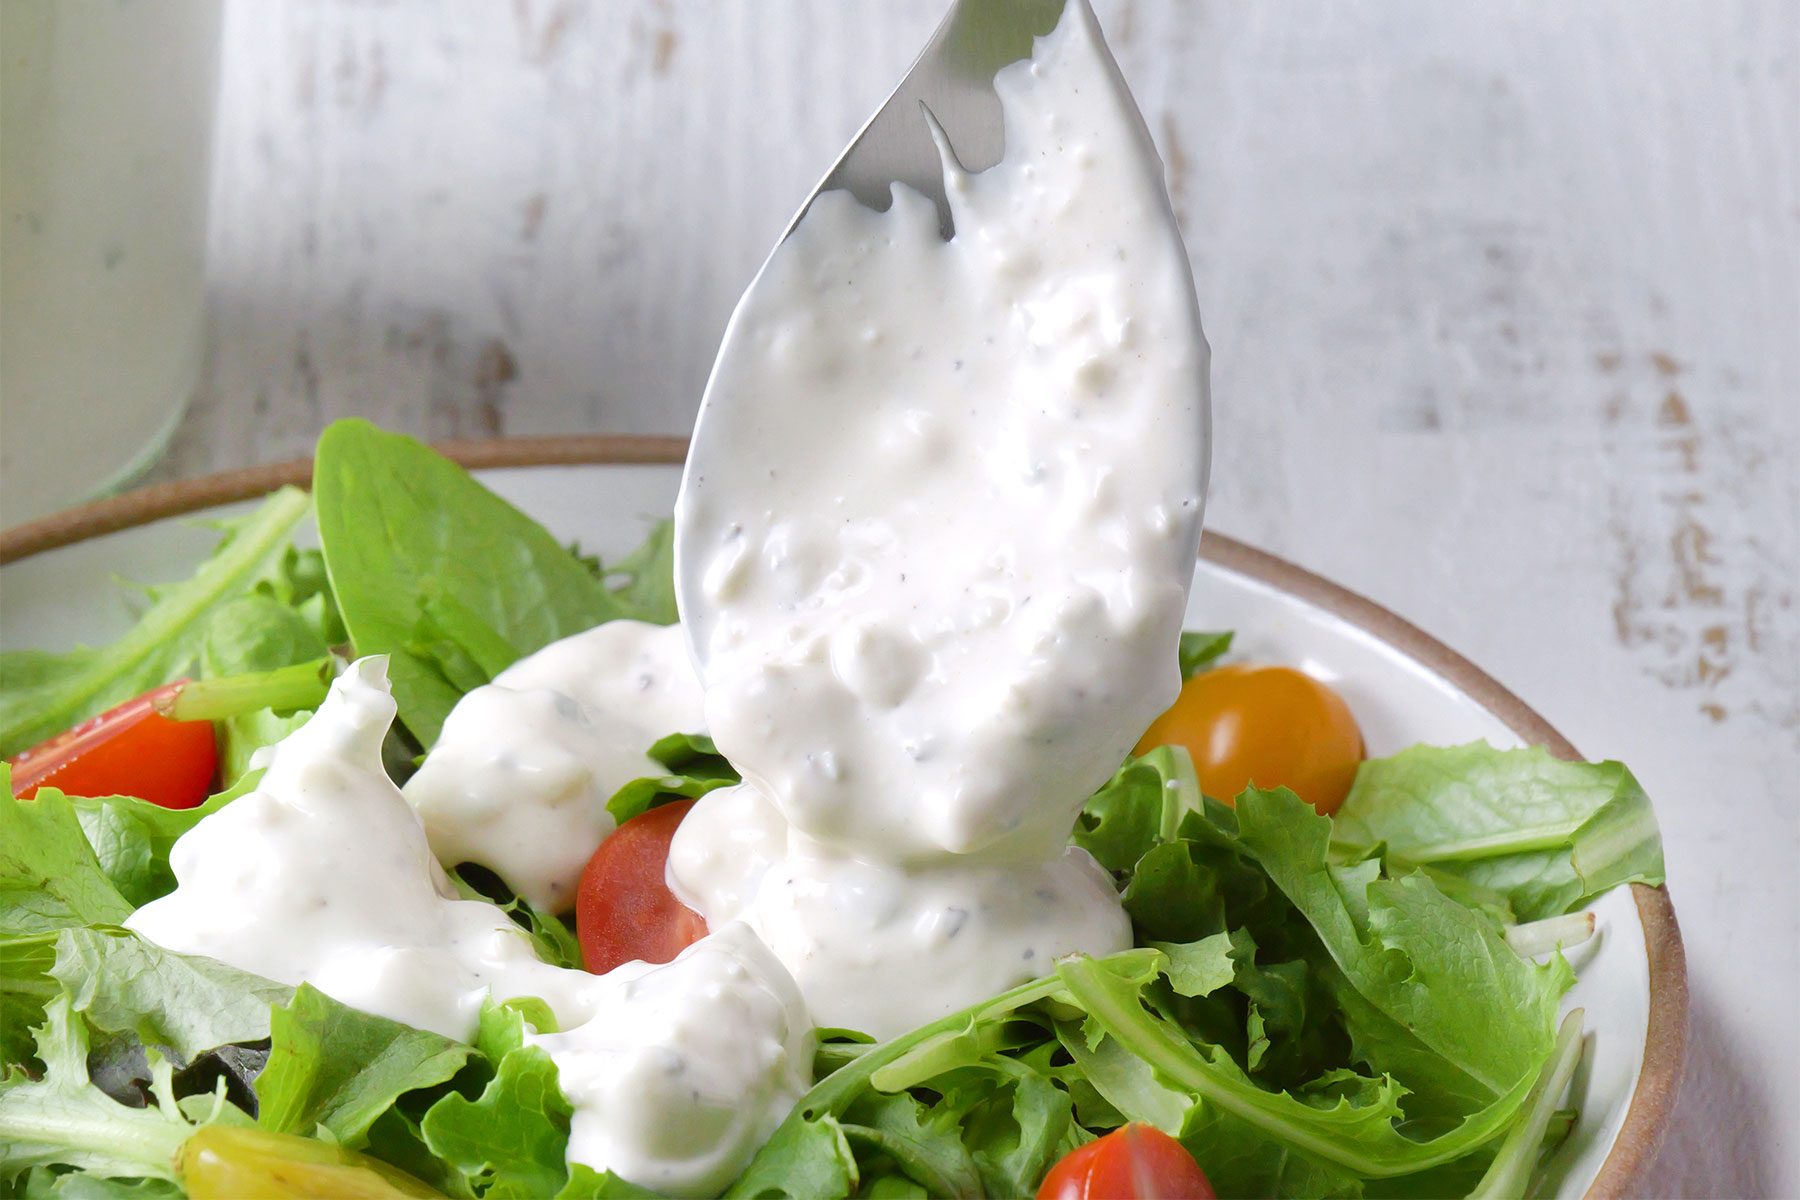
[[25, 988], [251, 635], [1433, 993], [63, 1119], [131, 838], [1547, 835], [1198, 651], [50, 877], [695, 767], [335, 1068], [183, 1003], [43, 693], [510, 1140]]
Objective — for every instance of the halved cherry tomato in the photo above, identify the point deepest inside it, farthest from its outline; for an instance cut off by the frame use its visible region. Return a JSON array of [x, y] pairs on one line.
[[131, 750], [1272, 726], [624, 910], [1133, 1162]]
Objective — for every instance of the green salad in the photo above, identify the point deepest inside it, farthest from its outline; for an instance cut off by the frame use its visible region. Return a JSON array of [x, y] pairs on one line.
[[1360, 1004]]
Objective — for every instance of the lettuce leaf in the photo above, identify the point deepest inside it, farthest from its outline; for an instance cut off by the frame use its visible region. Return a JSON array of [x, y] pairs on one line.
[[337, 1069], [511, 1139], [1198, 651], [62, 1119], [695, 767], [1433, 994], [182, 1003], [50, 877], [1544, 834], [43, 693]]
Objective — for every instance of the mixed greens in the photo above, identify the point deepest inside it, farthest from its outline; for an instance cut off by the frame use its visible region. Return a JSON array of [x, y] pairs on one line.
[[1316, 1006]]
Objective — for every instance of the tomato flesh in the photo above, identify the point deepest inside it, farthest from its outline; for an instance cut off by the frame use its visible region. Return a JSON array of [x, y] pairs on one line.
[[624, 910], [131, 750], [1133, 1162], [1271, 726]]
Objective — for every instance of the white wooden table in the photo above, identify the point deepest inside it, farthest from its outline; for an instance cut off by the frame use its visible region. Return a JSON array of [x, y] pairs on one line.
[[1504, 299]]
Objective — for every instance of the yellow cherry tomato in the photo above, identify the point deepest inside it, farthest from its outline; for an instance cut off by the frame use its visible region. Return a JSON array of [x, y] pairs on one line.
[[1271, 726], [219, 1163]]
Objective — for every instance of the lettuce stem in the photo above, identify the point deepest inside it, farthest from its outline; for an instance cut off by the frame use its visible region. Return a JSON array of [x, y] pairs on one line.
[[285, 689], [1510, 1173]]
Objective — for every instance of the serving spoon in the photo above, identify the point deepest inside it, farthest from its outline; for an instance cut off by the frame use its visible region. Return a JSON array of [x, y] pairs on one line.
[[948, 93]]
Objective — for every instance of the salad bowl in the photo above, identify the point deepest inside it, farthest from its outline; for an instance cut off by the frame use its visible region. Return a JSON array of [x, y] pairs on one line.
[[1403, 686]]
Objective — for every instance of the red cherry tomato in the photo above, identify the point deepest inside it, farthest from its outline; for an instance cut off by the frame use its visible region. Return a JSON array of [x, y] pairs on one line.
[[624, 910], [1133, 1162], [1271, 726], [131, 750]]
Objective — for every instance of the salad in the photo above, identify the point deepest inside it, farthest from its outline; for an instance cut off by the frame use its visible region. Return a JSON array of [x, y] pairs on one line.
[[874, 829], [1364, 1003]]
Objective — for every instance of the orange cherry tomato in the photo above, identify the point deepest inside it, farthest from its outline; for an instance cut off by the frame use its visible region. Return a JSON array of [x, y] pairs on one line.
[[624, 910], [131, 750], [1271, 726], [1133, 1162]]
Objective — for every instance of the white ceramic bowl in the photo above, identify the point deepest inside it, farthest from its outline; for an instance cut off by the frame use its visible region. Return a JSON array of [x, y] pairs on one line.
[[1404, 686]]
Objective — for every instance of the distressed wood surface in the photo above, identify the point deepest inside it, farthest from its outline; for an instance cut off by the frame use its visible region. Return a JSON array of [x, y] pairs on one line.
[[1504, 300]]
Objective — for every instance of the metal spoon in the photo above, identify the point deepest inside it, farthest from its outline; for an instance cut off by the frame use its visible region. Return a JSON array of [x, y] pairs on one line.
[[948, 92]]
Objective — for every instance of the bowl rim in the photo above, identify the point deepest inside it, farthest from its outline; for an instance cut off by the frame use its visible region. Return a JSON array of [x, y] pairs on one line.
[[1665, 1041]]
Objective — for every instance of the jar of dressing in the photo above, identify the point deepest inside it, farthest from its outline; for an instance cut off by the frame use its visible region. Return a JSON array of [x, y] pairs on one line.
[[106, 113]]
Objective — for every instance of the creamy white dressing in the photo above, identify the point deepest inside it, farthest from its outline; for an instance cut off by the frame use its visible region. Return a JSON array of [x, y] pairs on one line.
[[947, 499], [856, 932], [686, 1069], [521, 773], [323, 875]]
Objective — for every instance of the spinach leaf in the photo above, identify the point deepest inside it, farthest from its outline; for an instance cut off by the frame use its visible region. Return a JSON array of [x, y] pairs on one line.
[[1547, 835], [43, 693], [434, 570]]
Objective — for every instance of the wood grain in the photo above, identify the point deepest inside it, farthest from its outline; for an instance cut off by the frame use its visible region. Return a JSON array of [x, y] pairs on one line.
[[1505, 303]]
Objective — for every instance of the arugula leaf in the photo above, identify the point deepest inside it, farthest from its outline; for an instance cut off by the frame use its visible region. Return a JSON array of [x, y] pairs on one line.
[[1358, 1131], [42, 693], [337, 1068], [511, 1140], [63, 1119], [49, 875], [188, 1004], [695, 768], [1198, 651], [429, 567], [1431, 990], [1548, 835]]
